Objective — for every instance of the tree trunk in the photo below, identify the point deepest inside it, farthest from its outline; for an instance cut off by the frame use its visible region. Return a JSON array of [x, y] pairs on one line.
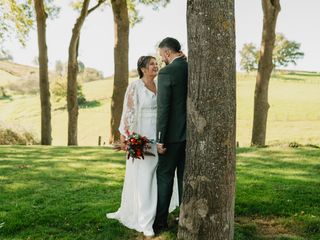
[[207, 210], [271, 9], [121, 72], [41, 16], [72, 89]]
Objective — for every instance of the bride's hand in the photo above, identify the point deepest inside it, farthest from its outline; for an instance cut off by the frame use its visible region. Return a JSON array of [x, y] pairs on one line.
[[148, 146], [122, 145]]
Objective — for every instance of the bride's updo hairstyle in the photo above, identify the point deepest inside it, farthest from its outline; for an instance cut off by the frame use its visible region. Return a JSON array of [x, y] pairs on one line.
[[143, 62]]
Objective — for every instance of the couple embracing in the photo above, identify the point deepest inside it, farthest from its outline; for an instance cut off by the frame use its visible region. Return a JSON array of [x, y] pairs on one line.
[[155, 109]]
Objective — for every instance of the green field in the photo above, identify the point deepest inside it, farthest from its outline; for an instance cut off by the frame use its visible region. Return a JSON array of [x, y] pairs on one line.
[[294, 115], [64, 193]]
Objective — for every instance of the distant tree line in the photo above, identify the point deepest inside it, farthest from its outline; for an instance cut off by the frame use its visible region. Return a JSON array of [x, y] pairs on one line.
[[285, 52]]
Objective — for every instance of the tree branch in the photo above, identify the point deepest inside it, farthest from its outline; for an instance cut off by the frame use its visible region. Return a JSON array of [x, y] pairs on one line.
[[96, 6]]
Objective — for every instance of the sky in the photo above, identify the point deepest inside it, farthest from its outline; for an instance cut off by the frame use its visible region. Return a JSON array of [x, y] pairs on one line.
[[298, 21]]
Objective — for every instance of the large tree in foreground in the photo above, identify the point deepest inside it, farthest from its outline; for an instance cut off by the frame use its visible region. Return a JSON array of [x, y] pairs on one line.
[[271, 9], [207, 210]]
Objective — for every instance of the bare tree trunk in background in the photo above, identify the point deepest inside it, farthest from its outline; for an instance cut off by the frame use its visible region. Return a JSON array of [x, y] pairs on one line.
[[41, 16], [271, 9], [207, 210], [72, 88], [121, 71], [72, 91]]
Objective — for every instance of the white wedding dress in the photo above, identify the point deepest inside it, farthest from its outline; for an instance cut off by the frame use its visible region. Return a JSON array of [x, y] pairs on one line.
[[139, 194]]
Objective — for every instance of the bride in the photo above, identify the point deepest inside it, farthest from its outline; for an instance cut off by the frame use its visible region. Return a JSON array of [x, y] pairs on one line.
[[139, 194]]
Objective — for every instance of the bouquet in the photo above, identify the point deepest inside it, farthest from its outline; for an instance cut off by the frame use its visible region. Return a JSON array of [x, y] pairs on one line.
[[137, 146]]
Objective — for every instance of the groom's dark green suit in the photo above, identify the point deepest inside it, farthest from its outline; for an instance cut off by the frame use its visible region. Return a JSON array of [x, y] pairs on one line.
[[171, 131]]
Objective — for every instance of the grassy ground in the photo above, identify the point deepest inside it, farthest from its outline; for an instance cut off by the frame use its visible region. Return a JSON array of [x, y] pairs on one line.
[[64, 193], [294, 114]]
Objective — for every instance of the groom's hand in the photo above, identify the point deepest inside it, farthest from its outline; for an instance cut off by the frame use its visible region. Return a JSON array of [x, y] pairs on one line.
[[161, 149]]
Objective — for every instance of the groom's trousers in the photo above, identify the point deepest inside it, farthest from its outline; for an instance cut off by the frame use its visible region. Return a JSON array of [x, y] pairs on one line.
[[173, 159]]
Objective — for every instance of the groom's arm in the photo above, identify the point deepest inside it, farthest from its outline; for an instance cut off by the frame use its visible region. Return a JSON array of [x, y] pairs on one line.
[[163, 105]]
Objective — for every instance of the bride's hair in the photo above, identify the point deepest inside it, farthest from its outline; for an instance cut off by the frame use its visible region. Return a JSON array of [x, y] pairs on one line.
[[143, 62]]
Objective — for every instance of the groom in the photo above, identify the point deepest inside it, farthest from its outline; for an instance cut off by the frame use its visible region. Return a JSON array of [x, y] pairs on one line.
[[171, 125]]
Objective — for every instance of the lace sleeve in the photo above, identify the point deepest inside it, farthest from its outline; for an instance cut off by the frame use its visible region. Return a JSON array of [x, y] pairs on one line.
[[129, 112]]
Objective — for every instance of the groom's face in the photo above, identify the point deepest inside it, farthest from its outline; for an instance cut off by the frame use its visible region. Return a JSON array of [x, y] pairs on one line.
[[164, 53]]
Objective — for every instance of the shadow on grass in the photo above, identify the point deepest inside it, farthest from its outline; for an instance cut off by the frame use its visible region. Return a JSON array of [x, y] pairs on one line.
[[281, 183], [288, 78], [61, 192], [6, 98], [292, 76], [64, 192], [84, 105], [311, 74], [246, 150], [90, 104]]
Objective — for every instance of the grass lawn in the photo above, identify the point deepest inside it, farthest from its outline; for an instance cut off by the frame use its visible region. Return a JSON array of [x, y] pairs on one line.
[[64, 193]]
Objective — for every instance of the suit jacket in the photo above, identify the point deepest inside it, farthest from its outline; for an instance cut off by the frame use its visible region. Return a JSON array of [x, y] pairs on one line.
[[172, 101]]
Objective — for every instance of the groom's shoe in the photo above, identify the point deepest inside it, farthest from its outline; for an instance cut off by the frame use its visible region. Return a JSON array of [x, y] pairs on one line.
[[158, 228], [148, 237]]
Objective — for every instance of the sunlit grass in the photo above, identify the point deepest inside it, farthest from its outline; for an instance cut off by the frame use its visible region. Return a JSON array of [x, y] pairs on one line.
[[60, 192], [279, 186], [294, 113], [64, 193], [6, 77]]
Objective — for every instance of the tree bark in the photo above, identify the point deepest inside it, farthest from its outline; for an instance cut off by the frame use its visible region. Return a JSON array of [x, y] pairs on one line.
[[271, 9], [41, 16], [121, 71], [72, 89], [207, 210]]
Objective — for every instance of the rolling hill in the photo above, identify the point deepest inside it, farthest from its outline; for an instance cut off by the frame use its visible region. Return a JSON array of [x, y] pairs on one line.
[[294, 115]]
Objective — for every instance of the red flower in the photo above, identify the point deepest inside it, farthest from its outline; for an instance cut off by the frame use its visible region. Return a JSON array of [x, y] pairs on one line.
[[136, 145]]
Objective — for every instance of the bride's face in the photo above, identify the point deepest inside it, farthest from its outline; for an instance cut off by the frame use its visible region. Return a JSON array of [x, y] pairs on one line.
[[152, 68]]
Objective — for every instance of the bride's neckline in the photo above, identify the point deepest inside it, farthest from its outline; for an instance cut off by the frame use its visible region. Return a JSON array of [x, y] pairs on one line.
[[154, 93]]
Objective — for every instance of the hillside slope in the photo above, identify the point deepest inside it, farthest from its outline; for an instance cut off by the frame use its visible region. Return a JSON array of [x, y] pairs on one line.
[[294, 114]]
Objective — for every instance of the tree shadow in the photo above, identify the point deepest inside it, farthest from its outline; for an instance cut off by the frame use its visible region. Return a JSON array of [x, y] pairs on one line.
[[311, 74], [59, 191], [278, 183], [6, 98], [288, 78], [83, 105], [65, 192], [90, 104], [241, 150]]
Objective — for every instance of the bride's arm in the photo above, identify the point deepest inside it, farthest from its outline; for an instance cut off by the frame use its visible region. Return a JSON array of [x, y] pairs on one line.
[[129, 112]]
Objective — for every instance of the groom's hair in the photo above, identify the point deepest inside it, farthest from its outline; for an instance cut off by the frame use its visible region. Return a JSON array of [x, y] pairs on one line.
[[171, 43]]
